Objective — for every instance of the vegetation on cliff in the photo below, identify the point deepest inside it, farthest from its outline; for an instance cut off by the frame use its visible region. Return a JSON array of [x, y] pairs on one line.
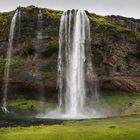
[[5, 24]]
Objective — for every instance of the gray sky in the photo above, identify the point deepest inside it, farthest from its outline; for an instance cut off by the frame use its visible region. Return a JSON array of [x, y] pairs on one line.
[[128, 8]]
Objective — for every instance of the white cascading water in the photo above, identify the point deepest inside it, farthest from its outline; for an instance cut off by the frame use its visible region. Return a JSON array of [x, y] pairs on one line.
[[8, 61], [73, 63], [76, 78], [19, 21], [74, 67]]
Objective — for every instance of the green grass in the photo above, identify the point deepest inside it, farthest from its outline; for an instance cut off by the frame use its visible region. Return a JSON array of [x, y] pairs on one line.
[[24, 106], [52, 13], [114, 105], [104, 24], [124, 104], [125, 128], [113, 128]]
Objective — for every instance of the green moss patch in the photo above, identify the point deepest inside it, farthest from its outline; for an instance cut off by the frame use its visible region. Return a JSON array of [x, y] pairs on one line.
[[52, 13], [124, 104], [24, 106], [17, 61], [104, 24], [5, 19]]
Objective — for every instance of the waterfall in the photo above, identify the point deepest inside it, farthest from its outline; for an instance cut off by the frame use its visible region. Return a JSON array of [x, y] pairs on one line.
[[77, 81], [8, 61], [19, 22], [75, 71]]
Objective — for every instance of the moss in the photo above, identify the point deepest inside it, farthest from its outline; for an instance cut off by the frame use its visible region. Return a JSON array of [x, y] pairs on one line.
[[52, 42], [104, 24], [29, 8], [138, 35], [17, 61], [14, 62], [24, 106], [21, 105], [52, 13], [124, 104], [49, 74], [5, 19], [102, 20]]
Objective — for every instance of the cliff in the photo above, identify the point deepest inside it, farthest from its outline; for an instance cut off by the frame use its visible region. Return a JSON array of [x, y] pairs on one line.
[[115, 44]]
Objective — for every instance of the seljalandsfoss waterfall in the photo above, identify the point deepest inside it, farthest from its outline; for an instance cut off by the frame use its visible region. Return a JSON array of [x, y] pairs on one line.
[[8, 61], [74, 68], [77, 81]]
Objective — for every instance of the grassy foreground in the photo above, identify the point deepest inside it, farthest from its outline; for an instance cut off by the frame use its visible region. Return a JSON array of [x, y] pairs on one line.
[[115, 128], [119, 128]]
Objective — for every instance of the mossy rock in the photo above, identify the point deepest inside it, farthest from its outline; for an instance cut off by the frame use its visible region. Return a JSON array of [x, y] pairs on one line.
[[28, 107], [52, 13], [5, 20]]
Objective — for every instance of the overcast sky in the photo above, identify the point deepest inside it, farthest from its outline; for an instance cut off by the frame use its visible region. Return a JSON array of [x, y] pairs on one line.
[[128, 8]]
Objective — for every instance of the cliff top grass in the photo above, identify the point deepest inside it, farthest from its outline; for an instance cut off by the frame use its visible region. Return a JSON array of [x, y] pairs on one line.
[[106, 23], [5, 23], [48, 12], [6, 17], [125, 128]]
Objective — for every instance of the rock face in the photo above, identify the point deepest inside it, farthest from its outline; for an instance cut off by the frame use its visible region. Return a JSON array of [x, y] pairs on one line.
[[115, 43], [116, 54]]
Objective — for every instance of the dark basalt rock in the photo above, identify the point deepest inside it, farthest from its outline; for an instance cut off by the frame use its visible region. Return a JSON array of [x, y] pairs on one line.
[[26, 122], [115, 44]]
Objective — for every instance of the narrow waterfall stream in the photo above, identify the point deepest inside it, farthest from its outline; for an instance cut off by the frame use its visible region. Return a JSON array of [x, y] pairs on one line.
[[8, 61]]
